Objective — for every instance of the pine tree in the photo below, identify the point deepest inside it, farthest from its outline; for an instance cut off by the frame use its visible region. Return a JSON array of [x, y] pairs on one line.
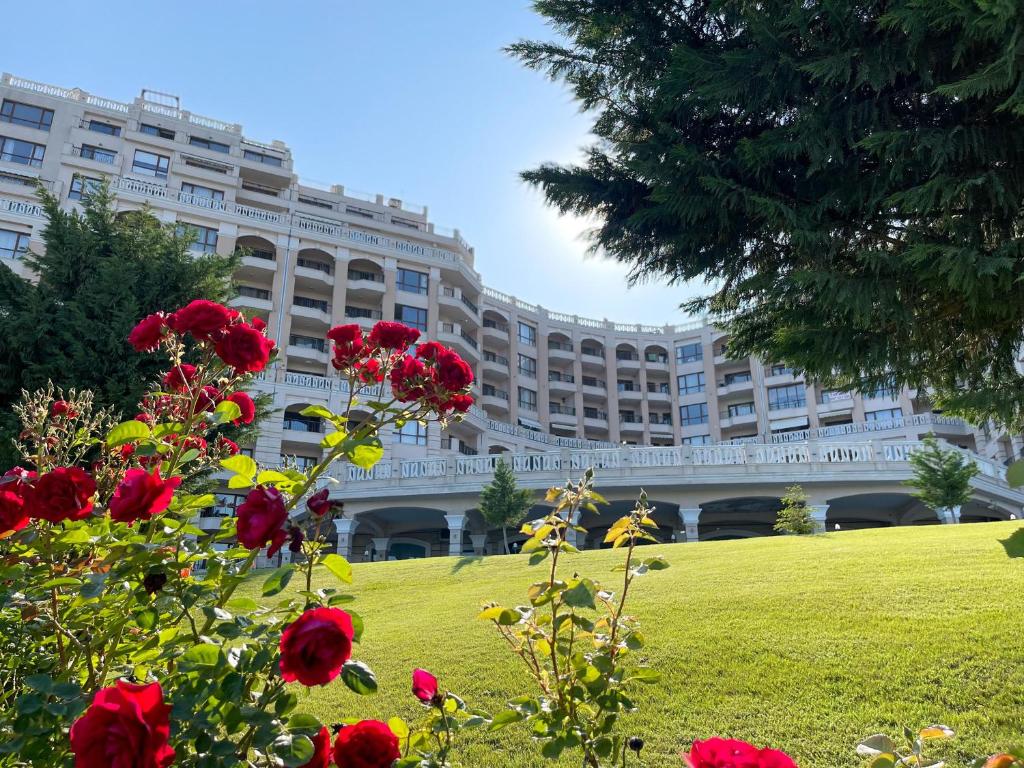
[[501, 503], [846, 175], [795, 516], [942, 477], [98, 276]]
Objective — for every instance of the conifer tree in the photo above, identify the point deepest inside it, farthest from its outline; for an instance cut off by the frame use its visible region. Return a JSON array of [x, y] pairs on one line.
[[795, 516], [848, 177], [503, 504], [942, 477]]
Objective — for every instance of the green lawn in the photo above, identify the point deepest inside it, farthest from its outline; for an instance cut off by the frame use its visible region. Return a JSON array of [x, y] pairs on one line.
[[806, 644]]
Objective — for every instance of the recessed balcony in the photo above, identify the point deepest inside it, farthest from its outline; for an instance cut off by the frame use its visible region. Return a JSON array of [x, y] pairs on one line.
[[832, 403], [494, 363], [561, 350], [261, 261], [561, 382], [732, 386], [737, 417], [495, 332], [631, 424], [561, 414], [466, 309], [320, 312]]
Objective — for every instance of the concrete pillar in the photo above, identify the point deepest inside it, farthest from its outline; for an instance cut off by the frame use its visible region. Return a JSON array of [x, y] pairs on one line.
[[819, 513], [948, 515], [575, 538], [456, 525], [690, 518], [479, 541], [380, 546], [346, 528]]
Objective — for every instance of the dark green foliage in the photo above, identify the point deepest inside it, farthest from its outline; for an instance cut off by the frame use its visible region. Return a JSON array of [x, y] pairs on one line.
[[501, 503], [942, 477], [794, 517], [99, 275], [847, 175]]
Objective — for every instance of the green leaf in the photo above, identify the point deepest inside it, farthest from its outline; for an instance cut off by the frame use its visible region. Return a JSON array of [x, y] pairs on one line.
[[317, 410], [300, 721], [333, 439], [147, 618], [645, 675], [294, 750], [398, 727], [580, 594], [240, 465], [339, 566], [127, 432], [359, 677], [204, 655], [365, 456], [278, 580], [504, 718], [226, 410], [268, 476], [506, 617]]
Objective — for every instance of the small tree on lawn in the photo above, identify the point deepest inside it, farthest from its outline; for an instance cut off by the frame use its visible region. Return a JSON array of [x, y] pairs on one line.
[[942, 477], [795, 515], [501, 503]]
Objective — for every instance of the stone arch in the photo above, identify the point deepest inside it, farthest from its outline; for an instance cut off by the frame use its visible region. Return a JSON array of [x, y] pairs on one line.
[[656, 353], [873, 510], [318, 257], [738, 517], [257, 246], [365, 265]]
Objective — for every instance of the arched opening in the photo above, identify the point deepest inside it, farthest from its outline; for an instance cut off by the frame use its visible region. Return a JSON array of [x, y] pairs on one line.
[[315, 259], [253, 246], [738, 518]]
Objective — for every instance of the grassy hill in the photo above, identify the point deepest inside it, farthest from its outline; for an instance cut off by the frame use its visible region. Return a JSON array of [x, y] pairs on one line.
[[806, 644]]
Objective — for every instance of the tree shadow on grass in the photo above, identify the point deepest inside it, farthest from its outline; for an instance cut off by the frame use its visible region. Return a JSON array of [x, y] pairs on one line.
[[465, 560], [1014, 543]]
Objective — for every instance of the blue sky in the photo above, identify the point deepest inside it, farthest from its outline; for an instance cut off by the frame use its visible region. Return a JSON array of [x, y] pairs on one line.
[[410, 99]]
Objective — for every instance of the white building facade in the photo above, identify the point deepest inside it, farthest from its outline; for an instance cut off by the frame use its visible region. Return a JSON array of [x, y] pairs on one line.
[[715, 441]]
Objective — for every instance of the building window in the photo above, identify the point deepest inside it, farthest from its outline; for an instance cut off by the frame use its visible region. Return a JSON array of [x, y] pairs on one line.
[[99, 154], [253, 293], [737, 378], [307, 342], [411, 433], [205, 237], [23, 152], [259, 157], [100, 127], [693, 414], [741, 409], [527, 334], [149, 164], [886, 414], [414, 317], [781, 370], [527, 399], [199, 191], [655, 357], [226, 504], [82, 186], [789, 396], [26, 114], [12, 244], [308, 303], [591, 351], [214, 146], [301, 463], [887, 391], [625, 385], [697, 440], [300, 423], [691, 383], [528, 366], [689, 353], [412, 282], [156, 130]]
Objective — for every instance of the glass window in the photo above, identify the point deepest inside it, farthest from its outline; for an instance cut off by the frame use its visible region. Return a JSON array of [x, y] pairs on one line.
[[107, 128], [590, 350], [205, 237], [149, 164], [887, 391], [527, 334], [737, 378], [781, 370], [626, 385], [411, 433], [691, 383], [789, 396], [12, 244], [310, 303], [226, 504], [528, 366], [253, 293], [741, 409], [693, 414], [300, 423], [24, 152], [689, 353], [199, 191], [259, 157], [527, 399], [302, 463], [414, 317], [26, 114], [156, 130], [82, 186], [215, 146], [412, 282], [697, 440], [886, 414], [99, 154]]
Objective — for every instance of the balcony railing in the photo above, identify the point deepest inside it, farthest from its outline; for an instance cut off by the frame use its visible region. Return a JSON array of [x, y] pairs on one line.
[[565, 410], [568, 378]]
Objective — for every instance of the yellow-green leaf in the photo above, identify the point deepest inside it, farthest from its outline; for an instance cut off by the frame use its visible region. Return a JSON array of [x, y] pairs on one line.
[[127, 432]]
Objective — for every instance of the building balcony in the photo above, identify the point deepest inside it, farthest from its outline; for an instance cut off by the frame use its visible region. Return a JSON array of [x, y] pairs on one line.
[[561, 382], [301, 437], [249, 302], [463, 341], [593, 361], [734, 387], [496, 333], [631, 395], [304, 352], [259, 263], [562, 414], [312, 313], [313, 275], [494, 363], [598, 389], [627, 363], [661, 428], [363, 283], [465, 310], [633, 425], [565, 354], [658, 396], [737, 419], [835, 403]]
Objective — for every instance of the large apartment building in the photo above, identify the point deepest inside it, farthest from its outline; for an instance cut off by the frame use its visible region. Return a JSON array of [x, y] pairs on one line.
[[658, 405]]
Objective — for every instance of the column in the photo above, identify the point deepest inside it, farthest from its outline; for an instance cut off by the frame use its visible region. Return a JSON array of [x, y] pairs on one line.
[[690, 518], [346, 528], [575, 538], [380, 547], [456, 525], [948, 515], [479, 542], [819, 513]]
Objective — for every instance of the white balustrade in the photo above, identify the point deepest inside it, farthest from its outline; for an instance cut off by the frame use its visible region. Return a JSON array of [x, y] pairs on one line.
[[717, 455], [21, 207], [656, 457], [788, 453], [833, 453], [435, 467]]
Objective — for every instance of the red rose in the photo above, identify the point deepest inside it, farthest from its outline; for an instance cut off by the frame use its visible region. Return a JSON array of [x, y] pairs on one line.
[[453, 373], [203, 319], [261, 518], [429, 350], [390, 335], [227, 445], [407, 379], [318, 503], [245, 405], [369, 371], [460, 403], [367, 744], [732, 753], [258, 323], [15, 493], [180, 378], [315, 646], [348, 344], [147, 335], [773, 758], [141, 495], [64, 493], [244, 348], [125, 726], [321, 750], [208, 399], [62, 408], [424, 685]]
